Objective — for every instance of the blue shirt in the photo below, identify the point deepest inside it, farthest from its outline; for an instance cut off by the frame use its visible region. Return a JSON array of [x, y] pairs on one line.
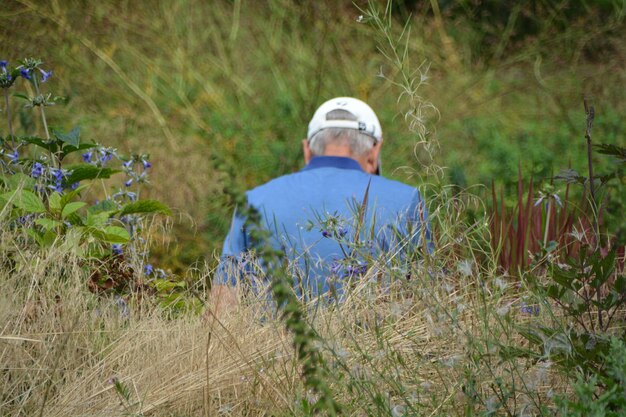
[[313, 216]]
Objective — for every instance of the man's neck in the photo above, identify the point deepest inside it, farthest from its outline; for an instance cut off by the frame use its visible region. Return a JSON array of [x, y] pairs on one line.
[[338, 150]]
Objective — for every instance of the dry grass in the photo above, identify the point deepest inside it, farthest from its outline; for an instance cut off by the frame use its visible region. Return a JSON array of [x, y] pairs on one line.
[[63, 348]]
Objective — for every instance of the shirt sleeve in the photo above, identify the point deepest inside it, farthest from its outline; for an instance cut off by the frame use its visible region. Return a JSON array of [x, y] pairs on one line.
[[234, 248]]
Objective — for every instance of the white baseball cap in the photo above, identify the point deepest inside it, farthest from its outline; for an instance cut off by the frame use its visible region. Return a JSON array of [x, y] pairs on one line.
[[366, 121]]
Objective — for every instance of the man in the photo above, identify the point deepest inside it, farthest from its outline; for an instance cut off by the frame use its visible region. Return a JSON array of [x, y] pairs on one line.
[[335, 213]]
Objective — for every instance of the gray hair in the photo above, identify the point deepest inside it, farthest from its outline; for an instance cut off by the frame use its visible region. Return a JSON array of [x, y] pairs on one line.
[[358, 142]]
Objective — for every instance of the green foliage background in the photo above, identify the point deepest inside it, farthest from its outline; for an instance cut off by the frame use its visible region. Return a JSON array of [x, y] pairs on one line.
[[220, 92]]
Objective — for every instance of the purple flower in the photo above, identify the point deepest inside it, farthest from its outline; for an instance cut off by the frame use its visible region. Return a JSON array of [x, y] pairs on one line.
[[354, 270], [128, 164], [58, 179], [25, 72], [325, 233], [87, 156], [147, 269], [25, 220], [531, 310], [105, 156], [129, 182], [14, 156], [58, 174], [116, 249], [146, 164], [342, 231], [37, 170], [3, 65], [45, 75], [75, 185], [335, 266]]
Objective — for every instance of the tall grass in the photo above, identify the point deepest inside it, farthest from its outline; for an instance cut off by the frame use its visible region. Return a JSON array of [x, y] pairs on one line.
[[239, 80], [220, 95]]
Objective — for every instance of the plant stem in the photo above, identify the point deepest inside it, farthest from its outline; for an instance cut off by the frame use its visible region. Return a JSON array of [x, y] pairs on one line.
[[53, 157], [545, 233], [6, 101], [590, 111]]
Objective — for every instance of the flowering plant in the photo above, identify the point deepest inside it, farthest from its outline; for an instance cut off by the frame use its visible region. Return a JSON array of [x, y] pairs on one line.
[[43, 182]]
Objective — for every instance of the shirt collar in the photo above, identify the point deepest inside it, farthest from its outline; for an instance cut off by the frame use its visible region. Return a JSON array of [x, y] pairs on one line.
[[340, 162]]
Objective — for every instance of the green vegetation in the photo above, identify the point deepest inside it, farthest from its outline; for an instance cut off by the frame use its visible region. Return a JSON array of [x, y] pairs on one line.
[[520, 310]]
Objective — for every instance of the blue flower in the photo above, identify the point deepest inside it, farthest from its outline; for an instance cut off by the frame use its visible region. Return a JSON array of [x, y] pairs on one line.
[[342, 231], [37, 170], [105, 157], [14, 156], [3, 65], [25, 72], [58, 179], [146, 164], [128, 164], [45, 75], [58, 174], [325, 233], [25, 220], [532, 310], [74, 186], [147, 269], [129, 182], [116, 249], [87, 156]]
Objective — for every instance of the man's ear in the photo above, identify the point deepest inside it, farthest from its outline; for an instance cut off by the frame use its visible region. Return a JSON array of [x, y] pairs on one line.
[[372, 158], [307, 151]]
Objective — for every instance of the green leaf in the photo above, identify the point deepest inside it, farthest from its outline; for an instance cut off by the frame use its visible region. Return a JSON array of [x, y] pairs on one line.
[[54, 202], [104, 205], [35, 236], [71, 138], [168, 285], [71, 149], [570, 176], [115, 234], [25, 200], [71, 194], [48, 145], [80, 172], [18, 180], [48, 224], [602, 268], [71, 208], [145, 206], [97, 220], [22, 96], [564, 278], [612, 150]]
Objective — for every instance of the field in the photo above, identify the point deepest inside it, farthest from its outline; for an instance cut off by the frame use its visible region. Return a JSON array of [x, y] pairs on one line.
[[519, 311]]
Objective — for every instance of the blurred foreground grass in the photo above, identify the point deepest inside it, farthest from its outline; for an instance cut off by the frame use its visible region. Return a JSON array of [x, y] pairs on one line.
[[220, 93]]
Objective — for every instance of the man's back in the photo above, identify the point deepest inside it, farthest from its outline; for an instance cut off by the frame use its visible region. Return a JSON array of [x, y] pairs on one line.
[[313, 216]]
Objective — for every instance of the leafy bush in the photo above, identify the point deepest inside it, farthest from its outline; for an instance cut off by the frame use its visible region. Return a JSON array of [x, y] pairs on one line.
[[43, 192]]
